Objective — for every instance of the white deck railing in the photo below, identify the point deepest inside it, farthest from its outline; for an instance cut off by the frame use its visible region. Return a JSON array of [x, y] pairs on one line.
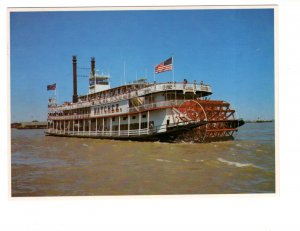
[[121, 133], [67, 117]]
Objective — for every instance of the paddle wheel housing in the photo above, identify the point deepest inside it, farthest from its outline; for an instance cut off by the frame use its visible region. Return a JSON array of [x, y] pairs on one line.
[[221, 122]]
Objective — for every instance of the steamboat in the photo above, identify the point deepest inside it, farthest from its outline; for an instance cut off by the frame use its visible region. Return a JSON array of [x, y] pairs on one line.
[[142, 111]]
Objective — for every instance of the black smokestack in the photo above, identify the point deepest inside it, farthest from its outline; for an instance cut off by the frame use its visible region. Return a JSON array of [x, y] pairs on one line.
[[93, 66], [75, 96]]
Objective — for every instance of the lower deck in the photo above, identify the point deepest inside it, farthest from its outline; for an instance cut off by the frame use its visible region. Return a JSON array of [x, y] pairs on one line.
[[168, 133]]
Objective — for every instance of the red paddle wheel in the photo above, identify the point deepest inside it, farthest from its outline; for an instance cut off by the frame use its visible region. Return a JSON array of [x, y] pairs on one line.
[[221, 122], [193, 111]]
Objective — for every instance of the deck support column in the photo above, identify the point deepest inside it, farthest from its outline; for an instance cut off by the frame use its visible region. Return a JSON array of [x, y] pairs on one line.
[[102, 126], [110, 125], [64, 127], [83, 128], [68, 126], [96, 126], [60, 127], [139, 123], [148, 121], [78, 126], [90, 126], [119, 126], [128, 128]]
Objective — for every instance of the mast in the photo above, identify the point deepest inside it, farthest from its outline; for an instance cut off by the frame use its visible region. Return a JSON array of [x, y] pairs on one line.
[[75, 96]]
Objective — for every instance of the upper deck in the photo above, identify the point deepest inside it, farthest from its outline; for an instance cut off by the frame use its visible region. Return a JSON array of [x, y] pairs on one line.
[[114, 95]]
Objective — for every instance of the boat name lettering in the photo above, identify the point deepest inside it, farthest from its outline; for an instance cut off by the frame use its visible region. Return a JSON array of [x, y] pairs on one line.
[[107, 109]]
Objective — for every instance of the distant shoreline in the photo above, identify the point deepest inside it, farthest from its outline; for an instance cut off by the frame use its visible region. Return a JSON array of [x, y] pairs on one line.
[[29, 125], [259, 121]]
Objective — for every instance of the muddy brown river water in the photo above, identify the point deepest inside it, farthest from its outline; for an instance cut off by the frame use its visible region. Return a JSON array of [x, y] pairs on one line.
[[58, 166]]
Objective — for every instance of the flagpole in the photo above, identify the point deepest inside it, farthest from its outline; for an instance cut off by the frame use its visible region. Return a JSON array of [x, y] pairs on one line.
[[56, 101], [124, 72], [173, 67]]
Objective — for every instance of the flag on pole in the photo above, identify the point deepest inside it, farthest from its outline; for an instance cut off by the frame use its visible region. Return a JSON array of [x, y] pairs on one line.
[[51, 87], [164, 66]]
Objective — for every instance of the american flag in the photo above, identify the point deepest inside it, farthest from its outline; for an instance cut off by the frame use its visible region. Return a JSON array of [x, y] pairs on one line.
[[51, 87], [164, 66]]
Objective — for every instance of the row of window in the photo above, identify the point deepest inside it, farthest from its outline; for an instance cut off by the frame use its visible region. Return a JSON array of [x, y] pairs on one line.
[[125, 117], [134, 117]]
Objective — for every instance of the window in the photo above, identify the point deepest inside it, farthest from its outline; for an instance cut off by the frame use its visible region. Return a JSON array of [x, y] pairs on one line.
[[144, 116], [133, 117], [124, 118]]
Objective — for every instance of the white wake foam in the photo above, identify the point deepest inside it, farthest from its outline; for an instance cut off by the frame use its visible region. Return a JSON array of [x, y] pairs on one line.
[[236, 164], [161, 160]]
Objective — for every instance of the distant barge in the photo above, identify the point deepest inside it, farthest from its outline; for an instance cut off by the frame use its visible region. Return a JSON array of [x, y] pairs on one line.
[[171, 111]]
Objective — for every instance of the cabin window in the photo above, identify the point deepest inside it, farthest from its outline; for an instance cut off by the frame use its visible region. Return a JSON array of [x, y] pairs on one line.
[[113, 119], [124, 118], [133, 117], [144, 116]]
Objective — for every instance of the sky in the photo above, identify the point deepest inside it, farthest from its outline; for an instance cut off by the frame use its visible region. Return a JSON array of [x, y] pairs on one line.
[[231, 50]]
